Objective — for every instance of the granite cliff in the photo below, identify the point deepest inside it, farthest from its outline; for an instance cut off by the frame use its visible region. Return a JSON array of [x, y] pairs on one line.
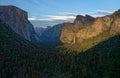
[[85, 27], [17, 19]]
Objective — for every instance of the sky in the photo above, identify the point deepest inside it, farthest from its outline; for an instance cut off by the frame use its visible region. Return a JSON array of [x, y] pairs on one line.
[[43, 13]]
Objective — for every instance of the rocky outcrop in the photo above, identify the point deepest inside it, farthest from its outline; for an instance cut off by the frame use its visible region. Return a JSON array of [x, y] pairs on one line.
[[69, 32], [17, 19], [82, 21], [85, 27]]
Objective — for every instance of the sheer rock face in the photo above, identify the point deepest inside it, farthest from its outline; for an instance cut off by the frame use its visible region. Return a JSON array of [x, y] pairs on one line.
[[85, 27], [17, 19], [67, 34]]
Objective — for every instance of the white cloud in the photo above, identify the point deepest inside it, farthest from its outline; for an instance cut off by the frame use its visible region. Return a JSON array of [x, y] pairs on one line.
[[32, 18], [68, 13], [53, 18], [100, 13], [67, 16]]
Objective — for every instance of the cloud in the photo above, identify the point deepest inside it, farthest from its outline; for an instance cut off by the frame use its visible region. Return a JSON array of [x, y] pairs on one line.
[[62, 17], [68, 13], [100, 13], [68, 16], [32, 18], [51, 20], [54, 18]]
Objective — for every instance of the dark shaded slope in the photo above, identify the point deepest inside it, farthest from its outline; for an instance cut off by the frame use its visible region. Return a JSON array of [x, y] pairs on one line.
[[10, 40], [101, 61], [21, 59], [15, 53]]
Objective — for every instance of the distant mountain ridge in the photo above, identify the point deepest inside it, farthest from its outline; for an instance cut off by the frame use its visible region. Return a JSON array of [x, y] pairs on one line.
[[40, 30], [17, 19], [52, 34]]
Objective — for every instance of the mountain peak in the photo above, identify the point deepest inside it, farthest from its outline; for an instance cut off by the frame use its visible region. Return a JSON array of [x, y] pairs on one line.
[[79, 17], [12, 8], [116, 13], [83, 21]]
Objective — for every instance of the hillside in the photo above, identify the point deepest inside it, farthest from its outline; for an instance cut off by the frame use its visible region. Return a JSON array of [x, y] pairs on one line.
[[100, 61], [10, 39], [19, 58]]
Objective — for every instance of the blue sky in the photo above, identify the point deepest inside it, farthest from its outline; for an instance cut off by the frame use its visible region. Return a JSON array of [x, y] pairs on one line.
[[50, 12]]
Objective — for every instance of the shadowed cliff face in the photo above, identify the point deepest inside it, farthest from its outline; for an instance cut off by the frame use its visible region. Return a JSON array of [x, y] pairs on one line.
[[85, 27], [17, 19]]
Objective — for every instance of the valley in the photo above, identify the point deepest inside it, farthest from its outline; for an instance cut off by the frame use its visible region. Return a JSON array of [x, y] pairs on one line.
[[87, 48]]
